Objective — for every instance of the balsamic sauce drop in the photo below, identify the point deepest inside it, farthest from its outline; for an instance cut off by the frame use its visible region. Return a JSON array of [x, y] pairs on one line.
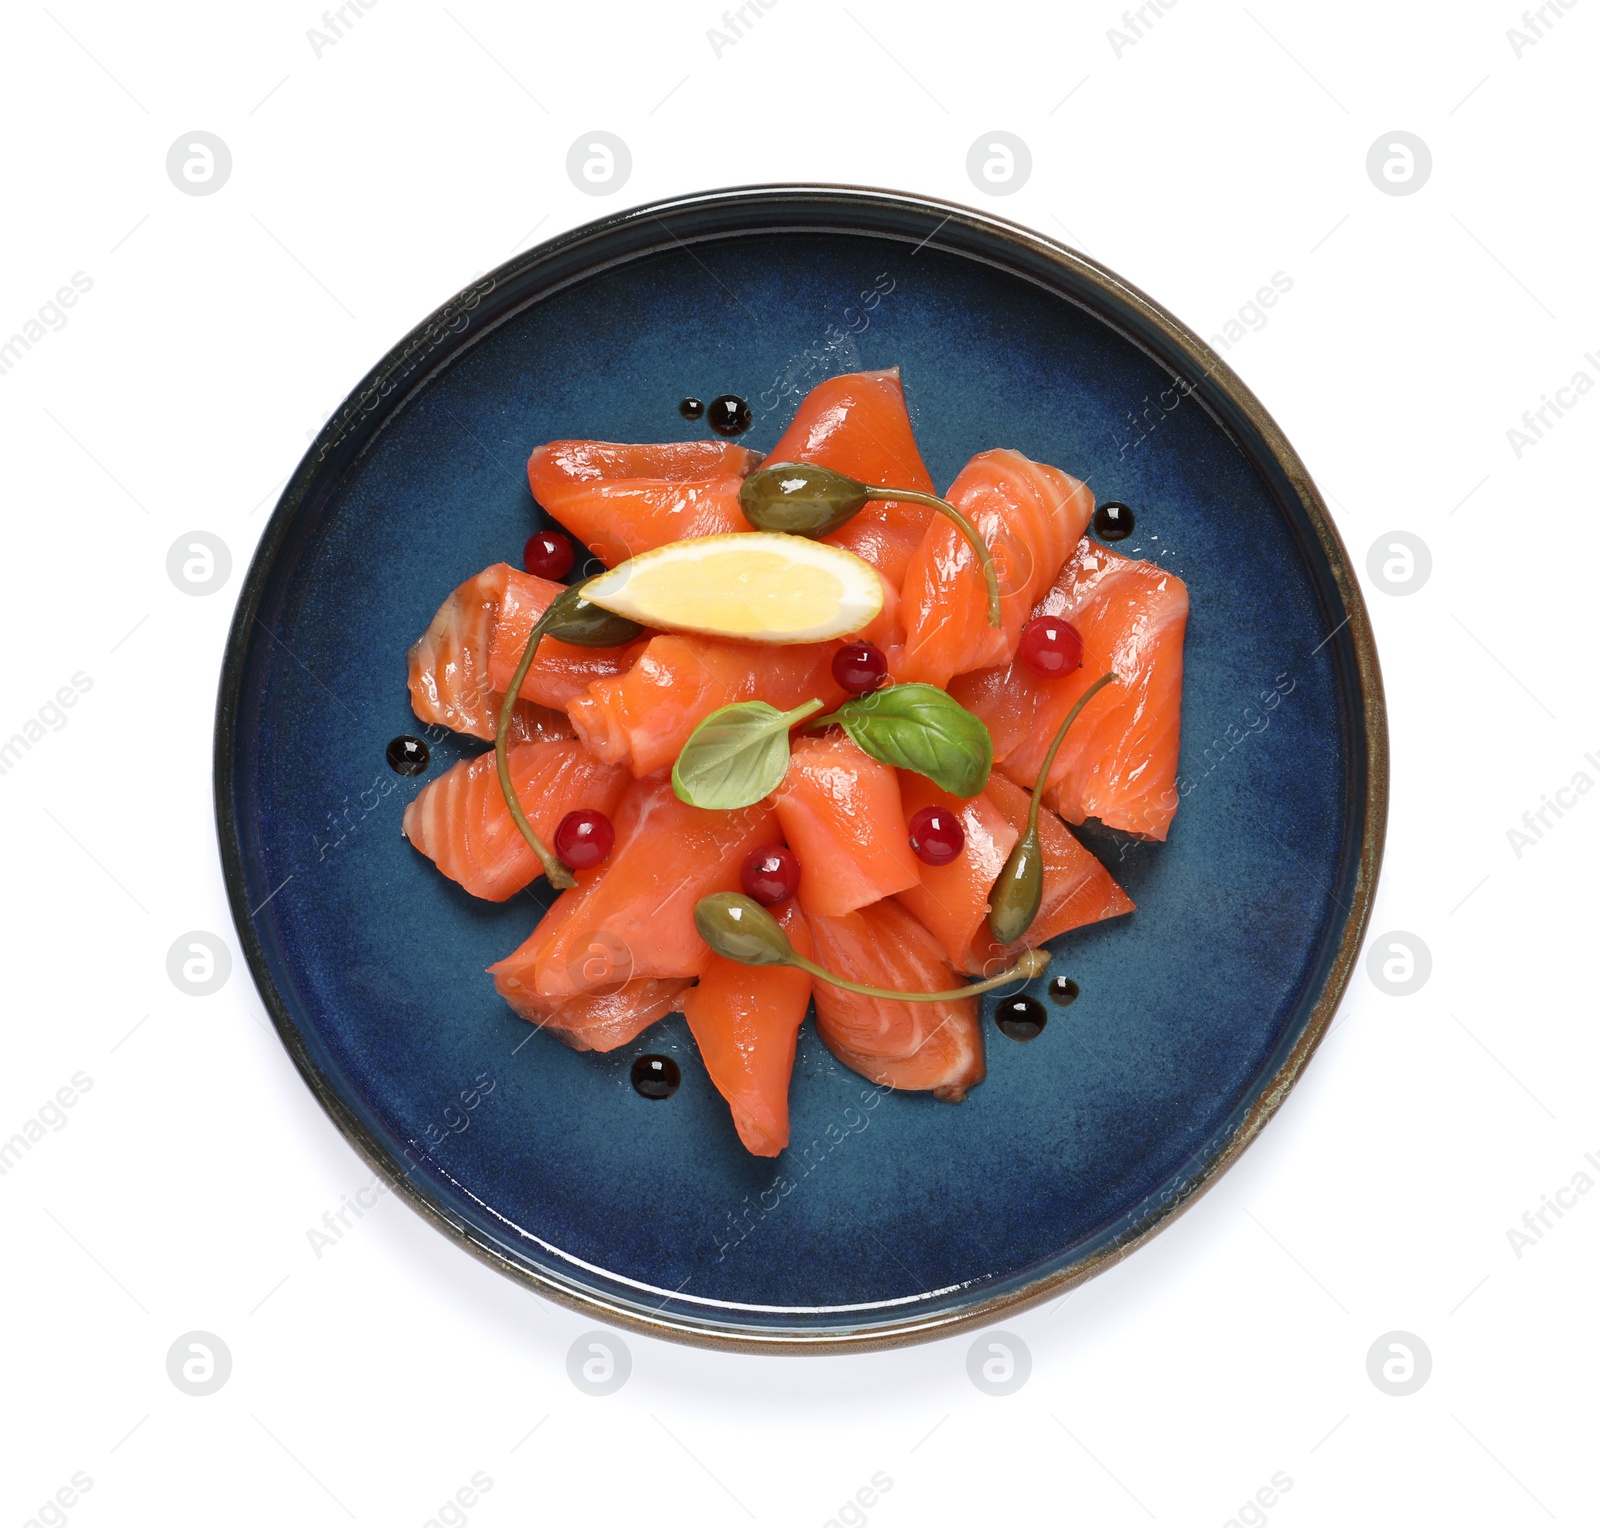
[[655, 1076], [729, 414], [1020, 1018], [1113, 521], [407, 755], [1063, 991]]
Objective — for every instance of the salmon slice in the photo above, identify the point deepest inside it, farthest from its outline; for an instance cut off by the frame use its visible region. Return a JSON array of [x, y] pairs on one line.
[[560, 670], [858, 425], [1030, 516], [952, 900], [452, 667], [1078, 889], [644, 717], [461, 821], [936, 1046], [841, 814], [622, 500], [746, 1019], [634, 915], [1120, 759], [887, 629], [600, 1022]]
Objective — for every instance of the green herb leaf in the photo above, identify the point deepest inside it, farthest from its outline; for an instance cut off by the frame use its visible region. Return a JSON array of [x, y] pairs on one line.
[[920, 728], [737, 755]]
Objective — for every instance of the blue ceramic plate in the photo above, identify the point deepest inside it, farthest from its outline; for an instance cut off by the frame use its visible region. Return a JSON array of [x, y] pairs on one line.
[[910, 1218]]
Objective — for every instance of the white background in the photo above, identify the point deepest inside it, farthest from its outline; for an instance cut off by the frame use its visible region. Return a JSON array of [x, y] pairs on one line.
[[429, 144]]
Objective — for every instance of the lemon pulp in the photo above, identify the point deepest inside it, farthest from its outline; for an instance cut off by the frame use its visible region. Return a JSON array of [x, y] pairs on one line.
[[759, 586]]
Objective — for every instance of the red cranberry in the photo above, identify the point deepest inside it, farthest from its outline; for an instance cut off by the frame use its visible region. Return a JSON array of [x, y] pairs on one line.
[[770, 875], [1050, 646], [937, 836], [584, 838], [859, 668], [548, 554]]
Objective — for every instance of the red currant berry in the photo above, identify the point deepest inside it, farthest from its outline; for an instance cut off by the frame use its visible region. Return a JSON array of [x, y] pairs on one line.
[[937, 836], [548, 554], [1050, 646], [584, 838], [770, 875], [859, 668]]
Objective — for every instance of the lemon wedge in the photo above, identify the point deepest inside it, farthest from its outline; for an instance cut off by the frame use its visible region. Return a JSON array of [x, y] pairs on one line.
[[758, 587]]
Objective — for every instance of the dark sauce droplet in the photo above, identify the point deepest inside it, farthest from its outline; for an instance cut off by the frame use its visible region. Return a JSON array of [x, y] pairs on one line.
[[407, 755], [1063, 991], [655, 1076], [1021, 1018], [729, 414], [692, 408], [1113, 521]]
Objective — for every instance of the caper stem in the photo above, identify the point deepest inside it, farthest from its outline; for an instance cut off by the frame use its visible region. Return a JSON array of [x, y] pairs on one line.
[[1055, 747], [962, 524], [1029, 964], [555, 872]]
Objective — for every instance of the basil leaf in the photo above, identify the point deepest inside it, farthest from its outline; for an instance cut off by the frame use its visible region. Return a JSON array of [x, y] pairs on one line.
[[737, 755], [920, 728]]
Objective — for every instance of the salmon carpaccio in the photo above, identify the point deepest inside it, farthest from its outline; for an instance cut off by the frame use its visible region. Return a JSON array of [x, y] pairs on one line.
[[858, 425], [644, 717], [634, 915], [462, 823], [451, 667], [1030, 516], [1078, 889], [601, 728], [746, 1021], [600, 1021], [621, 500], [841, 814], [1119, 761], [924, 1046]]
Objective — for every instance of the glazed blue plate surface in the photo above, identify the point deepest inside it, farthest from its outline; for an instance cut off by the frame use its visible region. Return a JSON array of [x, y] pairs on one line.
[[890, 1216]]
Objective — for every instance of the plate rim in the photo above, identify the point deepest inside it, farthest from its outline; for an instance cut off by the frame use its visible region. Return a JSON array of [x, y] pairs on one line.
[[818, 198]]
